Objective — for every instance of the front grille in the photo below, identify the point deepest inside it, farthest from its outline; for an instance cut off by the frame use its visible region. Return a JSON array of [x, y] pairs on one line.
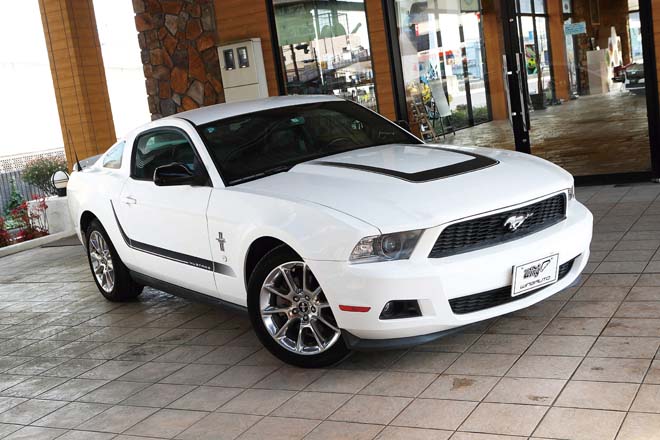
[[491, 230], [497, 297]]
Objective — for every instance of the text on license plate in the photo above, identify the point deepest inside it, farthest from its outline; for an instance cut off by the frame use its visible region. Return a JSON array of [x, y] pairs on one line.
[[534, 275]]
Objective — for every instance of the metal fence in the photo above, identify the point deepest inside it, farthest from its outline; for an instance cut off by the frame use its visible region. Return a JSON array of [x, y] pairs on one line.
[[26, 190], [11, 170]]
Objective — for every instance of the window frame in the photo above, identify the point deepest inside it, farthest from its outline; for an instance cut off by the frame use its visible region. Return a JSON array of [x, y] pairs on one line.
[[534, 15], [278, 55], [203, 171]]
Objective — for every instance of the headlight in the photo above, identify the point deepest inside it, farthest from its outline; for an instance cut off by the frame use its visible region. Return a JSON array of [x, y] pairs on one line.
[[388, 247]]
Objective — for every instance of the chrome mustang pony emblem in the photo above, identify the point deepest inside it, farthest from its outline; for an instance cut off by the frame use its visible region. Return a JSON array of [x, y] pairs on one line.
[[221, 241], [516, 221]]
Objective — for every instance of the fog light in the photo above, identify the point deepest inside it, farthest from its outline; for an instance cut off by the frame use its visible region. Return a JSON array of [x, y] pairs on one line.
[[401, 310]]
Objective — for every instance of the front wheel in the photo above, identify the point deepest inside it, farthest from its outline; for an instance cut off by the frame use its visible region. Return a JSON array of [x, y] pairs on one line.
[[291, 314]]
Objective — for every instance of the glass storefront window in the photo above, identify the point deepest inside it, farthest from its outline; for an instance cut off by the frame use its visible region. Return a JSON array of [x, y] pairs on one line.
[[635, 31], [525, 6], [325, 49], [443, 62], [539, 6], [533, 30]]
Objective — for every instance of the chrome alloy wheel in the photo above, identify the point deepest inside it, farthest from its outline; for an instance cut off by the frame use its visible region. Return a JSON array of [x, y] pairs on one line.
[[295, 311], [99, 254]]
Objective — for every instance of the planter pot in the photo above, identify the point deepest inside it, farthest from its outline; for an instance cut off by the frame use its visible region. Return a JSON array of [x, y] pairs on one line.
[[538, 101], [59, 219], [31, 244]]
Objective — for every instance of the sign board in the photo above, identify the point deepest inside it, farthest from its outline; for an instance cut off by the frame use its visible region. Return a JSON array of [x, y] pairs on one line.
[[575, 28], [567, 8], [470, 6]]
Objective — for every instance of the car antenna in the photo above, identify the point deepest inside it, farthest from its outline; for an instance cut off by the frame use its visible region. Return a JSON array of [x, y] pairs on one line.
[[75, 154]]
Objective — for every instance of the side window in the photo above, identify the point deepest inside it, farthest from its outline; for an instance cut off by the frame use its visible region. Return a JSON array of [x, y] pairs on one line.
[[113, 157], [159, 148]]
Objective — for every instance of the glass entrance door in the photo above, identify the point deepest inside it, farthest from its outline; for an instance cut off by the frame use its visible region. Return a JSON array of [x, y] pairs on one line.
[[562, 79], [456, 73], [591, 117]]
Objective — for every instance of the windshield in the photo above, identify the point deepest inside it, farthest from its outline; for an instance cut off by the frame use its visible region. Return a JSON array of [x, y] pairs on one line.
[[255, 145]]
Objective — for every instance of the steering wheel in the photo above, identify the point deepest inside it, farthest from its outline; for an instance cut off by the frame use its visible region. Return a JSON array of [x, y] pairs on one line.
[[339, 139]]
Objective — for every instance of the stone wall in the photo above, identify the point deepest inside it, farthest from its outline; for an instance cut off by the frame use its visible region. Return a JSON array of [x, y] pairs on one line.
[[179, 56]]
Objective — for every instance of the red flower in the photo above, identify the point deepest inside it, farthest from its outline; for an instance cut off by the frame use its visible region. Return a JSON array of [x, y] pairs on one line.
[[33, 219]]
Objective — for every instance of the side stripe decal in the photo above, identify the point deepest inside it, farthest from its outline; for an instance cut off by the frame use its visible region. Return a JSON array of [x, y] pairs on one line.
[[189, 260], [478, 162]]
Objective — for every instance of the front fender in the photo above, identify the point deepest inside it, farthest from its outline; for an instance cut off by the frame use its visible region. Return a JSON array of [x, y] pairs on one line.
[[316, 232]]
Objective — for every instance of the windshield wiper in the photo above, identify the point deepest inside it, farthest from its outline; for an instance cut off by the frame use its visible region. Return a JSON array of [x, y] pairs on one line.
[[262, 174]]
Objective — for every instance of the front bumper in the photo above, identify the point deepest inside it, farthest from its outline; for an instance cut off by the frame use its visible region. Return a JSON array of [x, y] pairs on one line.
[[434, 282]]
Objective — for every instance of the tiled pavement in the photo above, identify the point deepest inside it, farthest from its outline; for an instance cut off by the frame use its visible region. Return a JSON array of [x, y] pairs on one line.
[[580, 366]]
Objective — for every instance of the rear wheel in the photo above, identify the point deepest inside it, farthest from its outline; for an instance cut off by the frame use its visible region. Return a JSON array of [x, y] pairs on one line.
[[290, 312], [110, 275]]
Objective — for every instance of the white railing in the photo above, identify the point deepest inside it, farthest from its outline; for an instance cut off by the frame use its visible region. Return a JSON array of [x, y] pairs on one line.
[[17, 162]]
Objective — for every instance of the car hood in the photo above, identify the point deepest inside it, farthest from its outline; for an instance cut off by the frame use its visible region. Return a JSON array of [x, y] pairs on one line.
[[404, 187]]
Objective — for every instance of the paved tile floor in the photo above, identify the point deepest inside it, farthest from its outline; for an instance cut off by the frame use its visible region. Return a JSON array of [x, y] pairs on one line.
[[580, 366]]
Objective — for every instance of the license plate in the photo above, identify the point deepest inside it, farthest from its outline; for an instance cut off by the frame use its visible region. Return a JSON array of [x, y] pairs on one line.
[[534, 275]]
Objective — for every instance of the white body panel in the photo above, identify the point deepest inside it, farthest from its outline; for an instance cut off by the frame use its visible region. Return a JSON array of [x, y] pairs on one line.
[[322, 211], [152, 217]]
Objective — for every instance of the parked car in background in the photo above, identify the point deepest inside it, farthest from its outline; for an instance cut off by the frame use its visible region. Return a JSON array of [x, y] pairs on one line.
[[635, 79], [333, 227]]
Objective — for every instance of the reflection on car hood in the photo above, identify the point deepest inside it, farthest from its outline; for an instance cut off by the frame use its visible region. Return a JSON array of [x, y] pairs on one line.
[[401, 187]]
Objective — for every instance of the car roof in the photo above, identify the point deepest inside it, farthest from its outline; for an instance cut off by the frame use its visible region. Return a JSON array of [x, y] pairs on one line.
[[221, 111]]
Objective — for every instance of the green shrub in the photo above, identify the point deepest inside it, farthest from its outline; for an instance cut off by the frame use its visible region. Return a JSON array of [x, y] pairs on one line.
[[15, 198], [38, 172], [5, 238]]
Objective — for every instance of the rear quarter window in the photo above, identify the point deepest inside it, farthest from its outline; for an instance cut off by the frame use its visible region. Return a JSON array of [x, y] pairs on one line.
[[112, 158]]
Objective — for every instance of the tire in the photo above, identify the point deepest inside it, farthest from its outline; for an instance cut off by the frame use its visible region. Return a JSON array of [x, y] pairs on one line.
[[122, 288], [322, 344]]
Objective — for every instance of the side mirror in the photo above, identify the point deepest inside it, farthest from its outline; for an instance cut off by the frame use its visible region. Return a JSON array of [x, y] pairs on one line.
[[174, 174], [403, 124]]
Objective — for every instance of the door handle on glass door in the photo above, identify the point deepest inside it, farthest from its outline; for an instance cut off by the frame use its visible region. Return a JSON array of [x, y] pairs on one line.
[[129, 200]]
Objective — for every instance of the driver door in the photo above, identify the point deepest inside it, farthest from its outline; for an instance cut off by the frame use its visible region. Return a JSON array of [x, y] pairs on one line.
[[166, 226]]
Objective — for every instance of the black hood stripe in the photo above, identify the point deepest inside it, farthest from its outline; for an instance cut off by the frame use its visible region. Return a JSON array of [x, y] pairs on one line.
[[189, 260], [478, 162]]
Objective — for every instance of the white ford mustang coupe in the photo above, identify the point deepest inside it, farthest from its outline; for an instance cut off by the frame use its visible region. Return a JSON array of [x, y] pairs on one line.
[[333, 227]]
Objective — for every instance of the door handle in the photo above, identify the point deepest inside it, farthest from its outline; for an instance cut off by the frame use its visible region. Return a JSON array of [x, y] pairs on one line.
[[129, 200], [515, 76]]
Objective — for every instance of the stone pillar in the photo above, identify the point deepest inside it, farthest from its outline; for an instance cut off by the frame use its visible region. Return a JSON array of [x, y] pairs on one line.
[[179, 56], [78, 74]]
